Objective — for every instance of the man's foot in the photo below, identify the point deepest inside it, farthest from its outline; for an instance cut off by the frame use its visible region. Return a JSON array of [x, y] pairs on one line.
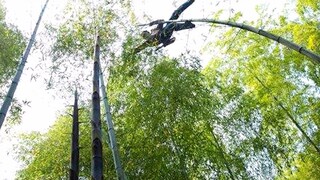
[[170, 41], [189, 24]]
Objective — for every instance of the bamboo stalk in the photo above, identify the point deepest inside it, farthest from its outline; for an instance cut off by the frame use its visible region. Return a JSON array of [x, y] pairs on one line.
[[295, 122], [223, 156], [111, 131], [74, 170], [285, 42], [97, 161], [8, 99]]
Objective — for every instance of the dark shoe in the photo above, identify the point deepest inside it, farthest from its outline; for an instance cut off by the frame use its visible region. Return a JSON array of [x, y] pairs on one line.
[[170, 41], [189, 24]]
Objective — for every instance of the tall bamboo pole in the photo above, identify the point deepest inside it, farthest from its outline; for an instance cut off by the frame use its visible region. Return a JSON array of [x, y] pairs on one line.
[[111, 131], [8, 99], [287, 43], [74, 170], [97, 162]]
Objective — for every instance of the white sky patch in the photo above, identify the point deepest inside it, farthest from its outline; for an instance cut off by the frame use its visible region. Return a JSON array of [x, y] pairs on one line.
[[44, 107]]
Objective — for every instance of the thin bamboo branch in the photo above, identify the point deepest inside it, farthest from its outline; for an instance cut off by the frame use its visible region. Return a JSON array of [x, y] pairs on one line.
[[8, 99], [223, 156], [295, 122], [111, 131], [222, 152], [74, 170], [97, 161], [287, 43]]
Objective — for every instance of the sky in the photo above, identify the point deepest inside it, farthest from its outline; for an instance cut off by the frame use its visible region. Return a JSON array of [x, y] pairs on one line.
[[44, 106]]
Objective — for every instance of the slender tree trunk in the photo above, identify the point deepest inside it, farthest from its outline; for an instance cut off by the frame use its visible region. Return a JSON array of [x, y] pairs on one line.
[[295, 122], [223, 156], [291, 45], [97, 161], [74, 170], [218, 145], [8, 100], [111, 131]]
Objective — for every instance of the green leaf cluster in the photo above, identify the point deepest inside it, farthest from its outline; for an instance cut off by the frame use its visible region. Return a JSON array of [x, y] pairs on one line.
[[81, 23], [275, 90], [12, 44]]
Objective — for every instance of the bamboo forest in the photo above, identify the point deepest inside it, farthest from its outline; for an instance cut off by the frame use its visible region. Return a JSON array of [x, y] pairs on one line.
[[182, 89]]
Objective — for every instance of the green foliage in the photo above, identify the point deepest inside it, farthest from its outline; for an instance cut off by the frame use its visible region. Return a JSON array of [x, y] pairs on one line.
[[47, 155], [83, 21], [264, 89], [305, 167], [308, 9], [237, 118], [163, 114], [73, 42], [304, 31], [12, 44], [16, 112], [11, 47], [50, 149]]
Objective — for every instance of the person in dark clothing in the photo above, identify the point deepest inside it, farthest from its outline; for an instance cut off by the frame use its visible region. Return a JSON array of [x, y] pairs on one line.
[[162, 34]]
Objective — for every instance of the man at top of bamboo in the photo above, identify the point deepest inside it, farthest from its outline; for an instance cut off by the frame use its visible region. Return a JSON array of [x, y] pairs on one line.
[[162, 34]]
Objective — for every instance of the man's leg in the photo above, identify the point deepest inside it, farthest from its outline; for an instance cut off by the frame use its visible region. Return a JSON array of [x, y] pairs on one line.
[[183, 7], [166, 32], [166, 43]]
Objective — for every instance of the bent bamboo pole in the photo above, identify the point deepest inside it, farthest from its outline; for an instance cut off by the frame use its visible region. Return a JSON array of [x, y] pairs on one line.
[[287, 43]]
